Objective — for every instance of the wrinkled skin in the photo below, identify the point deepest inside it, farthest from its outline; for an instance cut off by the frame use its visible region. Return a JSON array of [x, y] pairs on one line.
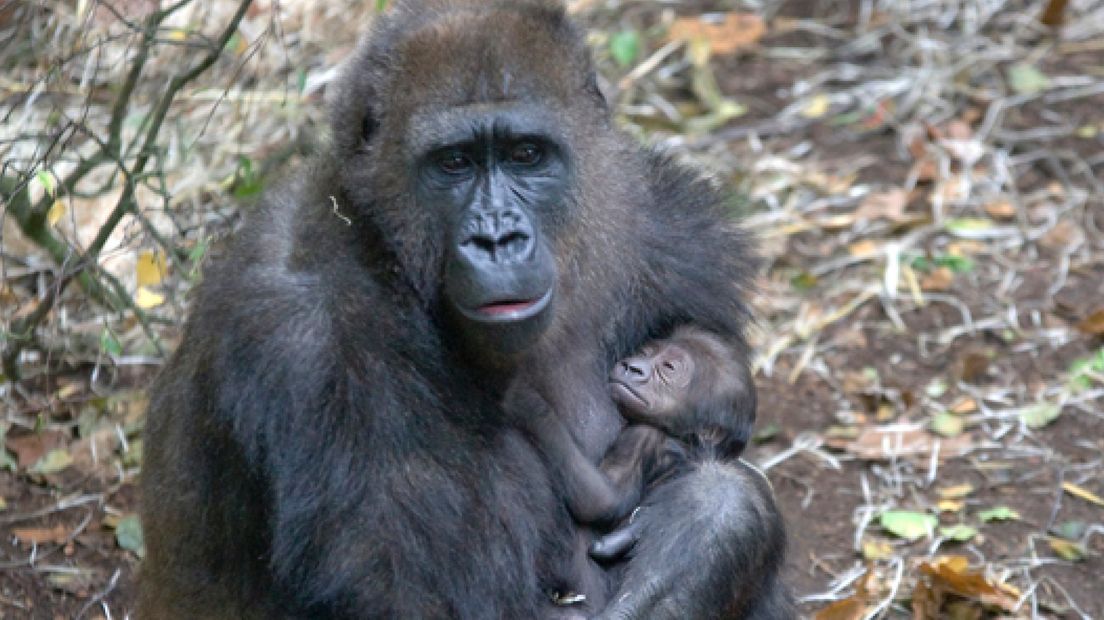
[[332, 437]]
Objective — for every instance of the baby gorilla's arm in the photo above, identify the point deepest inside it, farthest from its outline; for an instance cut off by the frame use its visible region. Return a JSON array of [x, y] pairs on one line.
[[591, 495]]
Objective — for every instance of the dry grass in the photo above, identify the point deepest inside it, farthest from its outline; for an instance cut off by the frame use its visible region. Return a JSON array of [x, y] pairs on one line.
[[925, 176]]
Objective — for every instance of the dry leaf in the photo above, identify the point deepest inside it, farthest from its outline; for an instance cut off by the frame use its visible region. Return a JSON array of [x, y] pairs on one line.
[[28, 449], [146, 299], [817, 107], [94, 455], [951, 574], [950, 505], [56, 212], [150, 267], [847, 609], [39, 535], [893, 441], [875, 549], [957, 491], [1093, 324], [1000, 210], [889, 205], [1083, 493], [1064, 236], [732, 32], [940, 279], [964, 406], [974, 366], [863, 248], [925, 169], [1055, 13]]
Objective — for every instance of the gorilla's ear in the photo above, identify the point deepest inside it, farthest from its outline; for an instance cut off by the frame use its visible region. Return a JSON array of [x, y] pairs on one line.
[[594, 90]]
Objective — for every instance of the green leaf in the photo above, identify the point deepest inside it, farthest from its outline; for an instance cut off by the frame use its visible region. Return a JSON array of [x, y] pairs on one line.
[[128, 533], [999, 513], [52, 462], [957, 264], [937, 388], [47, 181], [381, 6], [624, 47], [803, 281], [1081, 370], [300, 81], [247, 182], [1041, 414], [1070, 530], [947, 424], [1027, 79], [766, 433], [109, 343], [907, 524], [233, 43], [959, 532]]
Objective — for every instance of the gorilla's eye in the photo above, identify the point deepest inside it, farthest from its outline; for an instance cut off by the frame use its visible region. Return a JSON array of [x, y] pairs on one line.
[[454, 161], [526, 154]]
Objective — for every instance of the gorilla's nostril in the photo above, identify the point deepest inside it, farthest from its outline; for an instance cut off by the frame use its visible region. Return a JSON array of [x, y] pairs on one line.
[[483, 245]]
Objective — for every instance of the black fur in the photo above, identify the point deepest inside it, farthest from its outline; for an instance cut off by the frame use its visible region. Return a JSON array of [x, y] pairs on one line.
[[325, 445]]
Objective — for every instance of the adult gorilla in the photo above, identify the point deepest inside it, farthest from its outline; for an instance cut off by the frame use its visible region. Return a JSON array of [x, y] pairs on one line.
[[329, 441]]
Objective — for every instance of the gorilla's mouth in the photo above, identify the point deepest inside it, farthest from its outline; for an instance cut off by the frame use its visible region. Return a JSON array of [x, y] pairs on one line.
[[509, 310], [624, 394], [507, 307]]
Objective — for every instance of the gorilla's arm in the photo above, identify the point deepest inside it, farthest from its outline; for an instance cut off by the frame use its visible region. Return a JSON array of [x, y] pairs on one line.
[[696, 537], [301, 467]]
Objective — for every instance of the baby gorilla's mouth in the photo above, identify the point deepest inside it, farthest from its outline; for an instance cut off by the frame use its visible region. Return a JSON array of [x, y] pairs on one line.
[[624, 394]]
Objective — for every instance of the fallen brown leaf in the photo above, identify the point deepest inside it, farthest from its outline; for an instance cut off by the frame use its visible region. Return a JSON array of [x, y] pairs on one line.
[[1093, 324], [732, 32], [973, 366], [951, 574], [1083, 493], [889, 205], [95, 454], [1065, 235], [885, 442], [847, 609], [39, 535], [29, 448], [940, 279], [1000, 210]]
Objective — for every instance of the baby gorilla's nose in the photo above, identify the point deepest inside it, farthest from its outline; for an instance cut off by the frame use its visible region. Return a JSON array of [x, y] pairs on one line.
[[636, 369]]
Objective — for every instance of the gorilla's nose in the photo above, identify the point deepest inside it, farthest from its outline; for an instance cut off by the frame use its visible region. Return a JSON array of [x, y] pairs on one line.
[[498, 237]]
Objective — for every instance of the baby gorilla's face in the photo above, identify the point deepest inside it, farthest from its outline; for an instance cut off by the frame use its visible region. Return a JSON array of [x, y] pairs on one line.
[[657, 382]]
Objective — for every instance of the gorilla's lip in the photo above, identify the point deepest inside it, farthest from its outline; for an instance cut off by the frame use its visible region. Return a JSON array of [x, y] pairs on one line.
[[627, 391], [509, 310]]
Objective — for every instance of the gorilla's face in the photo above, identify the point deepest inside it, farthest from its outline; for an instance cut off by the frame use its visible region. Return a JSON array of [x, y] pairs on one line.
[[496, 176]]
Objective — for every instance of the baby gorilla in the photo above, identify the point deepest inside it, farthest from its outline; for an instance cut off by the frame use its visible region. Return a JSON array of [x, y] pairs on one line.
[[689, 399]]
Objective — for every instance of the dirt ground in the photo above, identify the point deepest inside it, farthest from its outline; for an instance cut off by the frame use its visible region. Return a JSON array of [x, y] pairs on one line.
[[931, 331]]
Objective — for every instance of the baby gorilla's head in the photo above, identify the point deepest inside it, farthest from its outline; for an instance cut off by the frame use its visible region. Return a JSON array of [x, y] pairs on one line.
[[689, 384]]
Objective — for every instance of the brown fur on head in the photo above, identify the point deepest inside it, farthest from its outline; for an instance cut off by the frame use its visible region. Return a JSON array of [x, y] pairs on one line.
[[442, 54], [421, 69]]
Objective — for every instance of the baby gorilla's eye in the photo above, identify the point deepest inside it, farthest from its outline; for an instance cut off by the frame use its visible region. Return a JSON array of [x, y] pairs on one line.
[[526, 154]]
